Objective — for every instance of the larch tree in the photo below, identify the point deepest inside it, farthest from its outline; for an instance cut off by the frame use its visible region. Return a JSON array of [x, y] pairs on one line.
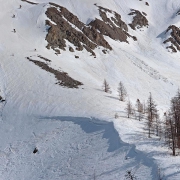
[[139, 109], [144, 107], [129, 109], [151, 114], [122, 92], [173, 124], [170, 133], [175, 112], [157, 125], [106, 87]]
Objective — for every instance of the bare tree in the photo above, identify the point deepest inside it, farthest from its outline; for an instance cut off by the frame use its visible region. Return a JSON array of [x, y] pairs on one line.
[[106, 87], [140, 116], [157, 124], [116, 116], [172, 134], [166, 129], [171, 139], [139, 106], [139, 109], [144, 107], [151, 114], [175, 112], [122, 92], [129, 109]]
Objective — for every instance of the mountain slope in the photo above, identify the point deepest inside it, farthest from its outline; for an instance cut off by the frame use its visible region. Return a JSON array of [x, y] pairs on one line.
[[32, 115]]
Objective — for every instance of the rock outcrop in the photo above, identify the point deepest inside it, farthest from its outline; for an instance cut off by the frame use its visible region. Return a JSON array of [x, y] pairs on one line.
[[174, 38], [112, 26], [139, 19], [65, 26], [63, 79]]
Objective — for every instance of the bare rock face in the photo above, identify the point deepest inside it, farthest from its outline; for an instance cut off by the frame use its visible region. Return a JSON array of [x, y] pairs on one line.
[[63, 79], [113, 27], [139, 19], [81, 36], [174, 38], [63, 30], [65, 26]]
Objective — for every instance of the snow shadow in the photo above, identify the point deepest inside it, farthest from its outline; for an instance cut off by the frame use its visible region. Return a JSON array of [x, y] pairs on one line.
[[161, 35], [92, 125], [134, 158]]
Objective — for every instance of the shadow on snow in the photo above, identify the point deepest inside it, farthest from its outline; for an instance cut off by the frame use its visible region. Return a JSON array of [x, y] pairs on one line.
[[92, 125]]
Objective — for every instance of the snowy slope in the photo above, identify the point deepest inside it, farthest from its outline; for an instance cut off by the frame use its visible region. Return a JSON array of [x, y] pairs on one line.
[[56, 120]]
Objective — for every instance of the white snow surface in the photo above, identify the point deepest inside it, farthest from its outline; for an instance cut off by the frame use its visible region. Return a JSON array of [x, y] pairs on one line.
[[74, 129]]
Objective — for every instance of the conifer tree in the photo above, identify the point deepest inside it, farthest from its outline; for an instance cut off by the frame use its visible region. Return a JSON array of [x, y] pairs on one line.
[[106, 87], [122, 92], [139, 109], [129, 109], [151, 114], [172, 134], [171, 139], [175, 113]]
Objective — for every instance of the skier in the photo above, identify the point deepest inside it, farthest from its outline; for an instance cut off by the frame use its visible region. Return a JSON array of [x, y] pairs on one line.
[[14, 30]]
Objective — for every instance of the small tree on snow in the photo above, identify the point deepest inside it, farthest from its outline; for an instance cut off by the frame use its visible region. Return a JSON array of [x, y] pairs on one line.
[[129, 109], [157, 127], [151, 114], [122, 92], [106, 87], [116, 116], [175, 112], [144, 107], [173, 124], [171, 139], [139, 108]]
